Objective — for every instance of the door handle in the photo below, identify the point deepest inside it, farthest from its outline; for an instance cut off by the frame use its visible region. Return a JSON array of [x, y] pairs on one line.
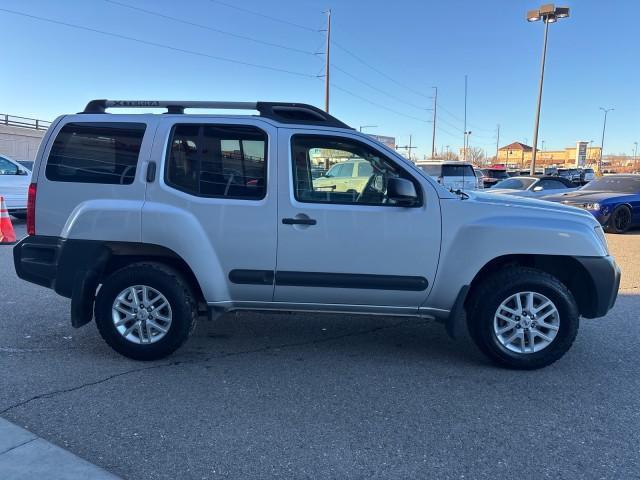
[[298, 221]]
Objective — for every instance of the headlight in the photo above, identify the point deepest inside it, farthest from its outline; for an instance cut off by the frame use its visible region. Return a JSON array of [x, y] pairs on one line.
[[592, 206]]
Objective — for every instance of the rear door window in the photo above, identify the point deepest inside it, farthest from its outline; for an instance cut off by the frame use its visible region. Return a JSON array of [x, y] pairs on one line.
[[457, 171], [217, 161], [104, 153]]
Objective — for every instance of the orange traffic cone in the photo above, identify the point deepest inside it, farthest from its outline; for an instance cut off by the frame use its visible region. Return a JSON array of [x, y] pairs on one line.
[[7, 235]]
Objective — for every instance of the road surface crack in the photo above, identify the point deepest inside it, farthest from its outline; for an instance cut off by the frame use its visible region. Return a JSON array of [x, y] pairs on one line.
[[205, 360]]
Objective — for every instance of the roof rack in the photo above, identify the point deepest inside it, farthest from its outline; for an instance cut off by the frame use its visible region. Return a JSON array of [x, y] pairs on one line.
[[283, 112]]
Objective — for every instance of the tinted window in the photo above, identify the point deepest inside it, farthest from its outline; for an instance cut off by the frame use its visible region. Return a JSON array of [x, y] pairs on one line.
[[497, 174], [96, 153], [515, 183], [217, 161], [431, 170], [7, 168], [365, 169], [615, 184], [314, 151], [457, 171], [551, 184]]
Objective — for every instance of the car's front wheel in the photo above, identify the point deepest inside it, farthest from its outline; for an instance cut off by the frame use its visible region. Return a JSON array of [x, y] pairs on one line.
[[145, 311], [620, 220], [523, 318]]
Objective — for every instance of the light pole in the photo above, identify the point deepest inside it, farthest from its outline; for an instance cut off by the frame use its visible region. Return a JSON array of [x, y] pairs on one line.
[[548, 14], [635, 155], [367, 126], [604, 128], [466, 144]]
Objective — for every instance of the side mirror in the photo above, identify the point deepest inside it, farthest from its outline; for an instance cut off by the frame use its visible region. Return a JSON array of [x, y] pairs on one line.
[[538, 189], [402, 191]]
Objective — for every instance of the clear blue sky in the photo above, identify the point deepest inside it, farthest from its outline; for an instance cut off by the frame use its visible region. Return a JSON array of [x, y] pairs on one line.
[[593, 61]]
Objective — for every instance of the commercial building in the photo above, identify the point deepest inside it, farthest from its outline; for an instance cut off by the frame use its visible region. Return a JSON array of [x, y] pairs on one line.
[[518, 155]]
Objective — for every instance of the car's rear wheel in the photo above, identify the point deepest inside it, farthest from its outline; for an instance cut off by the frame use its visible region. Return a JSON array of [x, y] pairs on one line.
[[620, 220], [145, 311], [523, 318]]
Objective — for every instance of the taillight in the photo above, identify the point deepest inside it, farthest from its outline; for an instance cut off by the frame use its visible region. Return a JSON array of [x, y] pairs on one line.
[[31, 209]]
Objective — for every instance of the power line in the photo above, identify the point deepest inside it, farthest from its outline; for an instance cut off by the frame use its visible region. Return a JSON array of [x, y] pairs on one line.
[[364, 99], [451, 114], [268, 17], [159, 45], [378, 71], [373, 87], [206, 27]]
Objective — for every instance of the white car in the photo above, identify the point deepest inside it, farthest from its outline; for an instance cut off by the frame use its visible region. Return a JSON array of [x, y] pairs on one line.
[[452, 175], [14, 186], [534, 187], [147, 221]]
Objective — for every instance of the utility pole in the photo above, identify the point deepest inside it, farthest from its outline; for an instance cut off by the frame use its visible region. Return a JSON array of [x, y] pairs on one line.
[[464, 149], [327, 63], [433, 139], [604, 127], [497, 143], [635, 155], [408, 148]]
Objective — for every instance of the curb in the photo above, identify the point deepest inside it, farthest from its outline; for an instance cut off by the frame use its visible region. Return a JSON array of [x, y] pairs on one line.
[[24, 455]]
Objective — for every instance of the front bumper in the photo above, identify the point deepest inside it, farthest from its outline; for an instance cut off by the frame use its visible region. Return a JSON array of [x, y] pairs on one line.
[[604, 274]]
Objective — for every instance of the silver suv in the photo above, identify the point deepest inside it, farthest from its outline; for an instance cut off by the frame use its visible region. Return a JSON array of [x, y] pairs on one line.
[[149, 221]]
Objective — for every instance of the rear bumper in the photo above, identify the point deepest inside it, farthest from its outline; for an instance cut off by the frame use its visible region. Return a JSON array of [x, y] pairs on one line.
[[605, 277]]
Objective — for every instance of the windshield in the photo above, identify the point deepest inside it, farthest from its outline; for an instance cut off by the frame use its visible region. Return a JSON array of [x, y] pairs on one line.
[[515, 183], [614, 184]]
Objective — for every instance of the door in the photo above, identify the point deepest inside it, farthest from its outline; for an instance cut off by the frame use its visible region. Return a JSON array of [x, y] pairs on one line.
[[214, 204], [352, 248]]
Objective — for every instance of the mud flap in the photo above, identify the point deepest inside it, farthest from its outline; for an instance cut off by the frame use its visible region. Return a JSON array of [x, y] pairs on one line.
[[455, 324]]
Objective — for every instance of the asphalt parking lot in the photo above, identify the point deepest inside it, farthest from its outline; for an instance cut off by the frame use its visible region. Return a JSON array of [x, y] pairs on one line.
[[324, 396]]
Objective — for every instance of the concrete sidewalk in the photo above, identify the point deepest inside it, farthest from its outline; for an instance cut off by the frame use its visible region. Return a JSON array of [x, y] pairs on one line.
[[24, 455]]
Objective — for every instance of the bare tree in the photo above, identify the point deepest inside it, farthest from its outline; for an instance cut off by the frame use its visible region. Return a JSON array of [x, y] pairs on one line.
[[475, 155], [449, 156]]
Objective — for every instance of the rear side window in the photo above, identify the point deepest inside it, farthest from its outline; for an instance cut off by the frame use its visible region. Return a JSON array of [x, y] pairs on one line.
[[96, 153], [218, 161], [432, 170]]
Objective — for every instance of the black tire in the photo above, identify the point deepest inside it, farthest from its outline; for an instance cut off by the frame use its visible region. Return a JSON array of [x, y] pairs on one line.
[[620, 220], [487, 297], [166, 281], [19, 216]]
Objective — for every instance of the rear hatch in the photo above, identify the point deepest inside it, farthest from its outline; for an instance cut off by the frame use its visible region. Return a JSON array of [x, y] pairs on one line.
[[458, 177]]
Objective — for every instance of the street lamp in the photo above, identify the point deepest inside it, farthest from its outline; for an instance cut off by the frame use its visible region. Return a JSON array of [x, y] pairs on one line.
[[367, 126], [635, 155], [604, 127], [548, 14]]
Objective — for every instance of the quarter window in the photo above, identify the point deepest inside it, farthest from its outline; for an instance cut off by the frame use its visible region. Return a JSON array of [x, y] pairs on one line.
[[96, 153], [7, 168], [217, 161], [340, 157]]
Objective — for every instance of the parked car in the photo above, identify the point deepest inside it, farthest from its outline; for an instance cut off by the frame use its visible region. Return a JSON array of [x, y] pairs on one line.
[[571, 174], [454, 175], [131, 216], [480, 176], [14, 184], [28, 164], [613, 200], [494, 175], [586, 175], [350, 176], [533, 186]]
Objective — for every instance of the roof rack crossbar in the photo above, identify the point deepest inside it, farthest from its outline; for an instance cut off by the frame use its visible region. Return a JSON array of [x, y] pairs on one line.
[[283, 112]]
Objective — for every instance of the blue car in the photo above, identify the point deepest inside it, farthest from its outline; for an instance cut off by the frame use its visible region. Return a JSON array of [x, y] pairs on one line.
[[614, 200]]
